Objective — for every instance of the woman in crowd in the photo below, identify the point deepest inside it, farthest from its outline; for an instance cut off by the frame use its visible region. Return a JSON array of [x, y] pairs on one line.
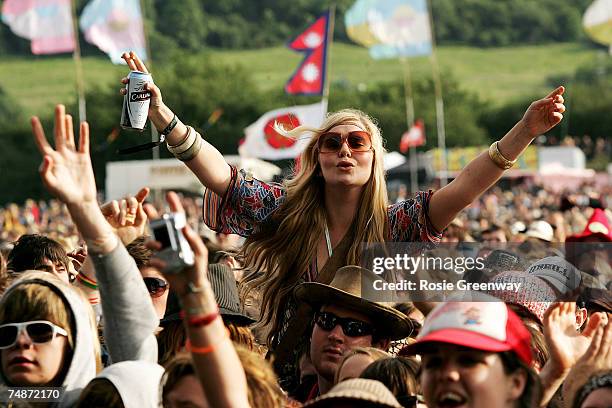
[[336, 200], [356, 360], [400, 375], [476, 354], [47, 336]]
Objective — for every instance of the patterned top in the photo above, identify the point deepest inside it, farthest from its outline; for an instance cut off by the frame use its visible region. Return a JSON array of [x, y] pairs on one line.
[[249, 202]]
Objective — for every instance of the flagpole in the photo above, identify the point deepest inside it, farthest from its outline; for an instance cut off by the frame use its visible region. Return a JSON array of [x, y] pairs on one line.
[[154, 135], [414, 183], [328, 46], [76, 55], [439, 102]]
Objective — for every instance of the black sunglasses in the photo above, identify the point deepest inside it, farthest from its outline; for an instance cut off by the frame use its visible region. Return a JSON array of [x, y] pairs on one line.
[[350, 327], [155, 286]]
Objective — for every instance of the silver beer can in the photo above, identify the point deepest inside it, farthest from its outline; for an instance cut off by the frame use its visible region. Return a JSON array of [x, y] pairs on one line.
[[136, 101]]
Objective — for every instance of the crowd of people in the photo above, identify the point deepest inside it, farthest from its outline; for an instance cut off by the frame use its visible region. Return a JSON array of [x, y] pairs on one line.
[[257, 293]]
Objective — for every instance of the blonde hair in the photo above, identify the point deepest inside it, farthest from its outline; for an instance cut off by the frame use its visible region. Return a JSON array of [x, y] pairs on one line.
[[374, 353], [276, 257], [262, 383]]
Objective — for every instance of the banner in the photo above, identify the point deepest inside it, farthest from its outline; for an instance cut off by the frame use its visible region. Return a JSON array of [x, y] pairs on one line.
[[390, 28], [597, 21], [262, 141], [46, 23], [114, 26], [309, 78], [414, 137]]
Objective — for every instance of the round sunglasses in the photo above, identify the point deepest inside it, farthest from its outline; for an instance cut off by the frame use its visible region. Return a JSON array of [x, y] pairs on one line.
[[155, 286], [350, 327], [38, 331], [357, 141]]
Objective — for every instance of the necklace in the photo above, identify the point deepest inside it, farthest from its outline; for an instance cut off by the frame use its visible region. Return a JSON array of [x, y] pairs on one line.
[[328, 240]]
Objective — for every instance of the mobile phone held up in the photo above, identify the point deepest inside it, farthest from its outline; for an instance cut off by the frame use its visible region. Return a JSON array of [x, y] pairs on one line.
[[175, 249]]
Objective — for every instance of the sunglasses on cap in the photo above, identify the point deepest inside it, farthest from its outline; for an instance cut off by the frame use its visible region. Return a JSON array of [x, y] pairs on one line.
[[350, 327], [38, 331], [357, 141], [155, 286]]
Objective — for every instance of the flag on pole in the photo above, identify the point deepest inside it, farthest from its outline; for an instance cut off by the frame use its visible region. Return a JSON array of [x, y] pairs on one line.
[[390, 28], [597, 21], [46, 23], [114, 26], [309, 78], [414, 137], [262, 141]]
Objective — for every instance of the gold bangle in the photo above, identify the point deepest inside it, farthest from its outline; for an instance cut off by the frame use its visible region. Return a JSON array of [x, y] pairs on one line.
[[498, 158]]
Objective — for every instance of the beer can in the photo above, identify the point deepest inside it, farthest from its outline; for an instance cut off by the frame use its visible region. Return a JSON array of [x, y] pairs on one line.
[[136, 101]]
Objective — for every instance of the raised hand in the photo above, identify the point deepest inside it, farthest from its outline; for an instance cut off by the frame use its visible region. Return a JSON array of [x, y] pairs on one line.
[[197, 274], [135, 64], [66, 171], [544, 114], [565, 344], [127, 216]]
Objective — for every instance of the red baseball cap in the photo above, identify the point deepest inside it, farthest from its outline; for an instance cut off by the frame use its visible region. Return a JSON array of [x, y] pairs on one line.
[[487, 326]]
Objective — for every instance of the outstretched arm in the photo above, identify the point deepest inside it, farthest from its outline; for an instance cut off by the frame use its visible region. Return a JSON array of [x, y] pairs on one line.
[[481, 173], [216, 362], [208, 165]]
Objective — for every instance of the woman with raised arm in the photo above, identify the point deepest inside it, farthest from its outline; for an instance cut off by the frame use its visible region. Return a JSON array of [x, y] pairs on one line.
[[334, 202]]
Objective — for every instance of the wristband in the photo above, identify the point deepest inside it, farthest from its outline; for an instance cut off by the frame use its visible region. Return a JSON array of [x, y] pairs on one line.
[[198, 350], [88, 282], [170, 126], [201, 321], [192, 151]]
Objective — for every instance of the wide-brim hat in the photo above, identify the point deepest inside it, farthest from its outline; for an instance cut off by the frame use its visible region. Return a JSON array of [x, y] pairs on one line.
[[598, 226], [345, 290], [357, 390]]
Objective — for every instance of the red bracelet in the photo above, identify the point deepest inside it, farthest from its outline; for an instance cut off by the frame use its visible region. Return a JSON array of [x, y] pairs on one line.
[[200, 321], [198, 350]]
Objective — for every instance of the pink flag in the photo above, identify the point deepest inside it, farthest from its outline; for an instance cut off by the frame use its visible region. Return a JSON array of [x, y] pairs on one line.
[[47, 23], [309, 78]]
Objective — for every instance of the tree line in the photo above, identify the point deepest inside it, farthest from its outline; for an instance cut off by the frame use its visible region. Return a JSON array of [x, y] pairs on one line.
[[195, 25]]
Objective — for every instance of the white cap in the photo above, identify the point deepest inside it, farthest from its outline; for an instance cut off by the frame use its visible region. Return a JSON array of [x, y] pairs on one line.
[[541, 230], [557, 272]]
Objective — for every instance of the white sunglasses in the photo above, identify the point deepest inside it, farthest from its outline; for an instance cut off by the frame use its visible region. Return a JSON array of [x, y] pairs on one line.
[[38, 331]]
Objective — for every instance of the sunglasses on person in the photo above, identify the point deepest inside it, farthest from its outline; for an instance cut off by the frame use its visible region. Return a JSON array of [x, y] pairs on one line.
[[357, 141], [155, 286], [350, 327], [38, 331]]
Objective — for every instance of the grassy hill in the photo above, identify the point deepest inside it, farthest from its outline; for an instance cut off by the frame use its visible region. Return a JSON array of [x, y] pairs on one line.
[[497, 74]]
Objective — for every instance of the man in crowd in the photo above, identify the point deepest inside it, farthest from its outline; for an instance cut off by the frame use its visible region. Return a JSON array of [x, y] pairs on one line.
[[344, 319]]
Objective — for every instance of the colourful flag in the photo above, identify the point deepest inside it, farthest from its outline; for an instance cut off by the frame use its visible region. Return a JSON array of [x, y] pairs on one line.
[[46, 23], [597, 21], [309, 78], [414, 137], [390, 28], [114, 26], [262, 141]]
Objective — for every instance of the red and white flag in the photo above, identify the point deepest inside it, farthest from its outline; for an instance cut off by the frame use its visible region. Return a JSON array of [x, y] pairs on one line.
[[414, 137], [262, 141], [309, 78], [47, 23]]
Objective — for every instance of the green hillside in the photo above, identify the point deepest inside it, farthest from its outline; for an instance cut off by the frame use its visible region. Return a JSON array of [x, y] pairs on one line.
[[497, 74]]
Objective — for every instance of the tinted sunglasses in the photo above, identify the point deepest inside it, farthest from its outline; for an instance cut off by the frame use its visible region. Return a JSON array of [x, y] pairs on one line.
[[39, 331], [155, 286], [357, 141], [350, 327]]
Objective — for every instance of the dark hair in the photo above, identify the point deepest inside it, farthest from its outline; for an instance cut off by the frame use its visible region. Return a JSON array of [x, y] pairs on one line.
[[399, 374], [140, 253], [533, 387], [100, 393], [30, 251]]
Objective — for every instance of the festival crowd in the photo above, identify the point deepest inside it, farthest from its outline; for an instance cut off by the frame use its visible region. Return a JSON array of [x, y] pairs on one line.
[[256, 294]]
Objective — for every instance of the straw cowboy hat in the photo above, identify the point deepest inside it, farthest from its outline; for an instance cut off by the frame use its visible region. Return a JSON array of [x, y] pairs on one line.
[[345, 290], [356, 390]]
